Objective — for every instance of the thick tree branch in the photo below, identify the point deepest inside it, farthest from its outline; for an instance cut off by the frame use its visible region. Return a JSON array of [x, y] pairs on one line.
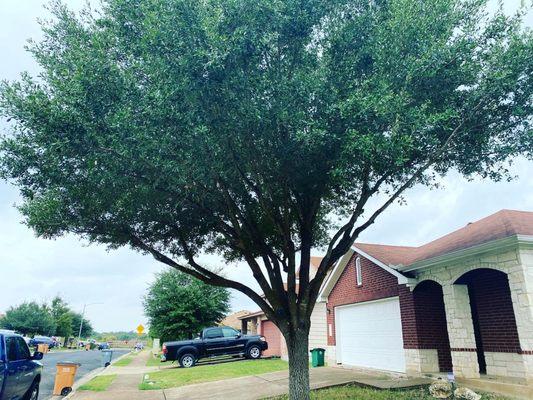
[[343, 246], [205, 275]]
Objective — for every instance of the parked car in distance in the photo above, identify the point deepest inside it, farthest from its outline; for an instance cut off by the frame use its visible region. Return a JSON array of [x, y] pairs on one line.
[[20, 372], [103, 346], [214, 342], [37, 340]]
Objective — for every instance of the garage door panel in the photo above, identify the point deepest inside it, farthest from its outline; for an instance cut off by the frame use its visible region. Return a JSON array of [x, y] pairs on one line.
[[273, 337], [370, 335]]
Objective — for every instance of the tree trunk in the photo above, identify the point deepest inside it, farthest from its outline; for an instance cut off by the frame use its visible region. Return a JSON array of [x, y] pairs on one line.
[[297, 347]]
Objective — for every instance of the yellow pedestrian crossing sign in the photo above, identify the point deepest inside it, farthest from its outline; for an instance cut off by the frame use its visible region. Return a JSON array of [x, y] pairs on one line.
[[140, 329]]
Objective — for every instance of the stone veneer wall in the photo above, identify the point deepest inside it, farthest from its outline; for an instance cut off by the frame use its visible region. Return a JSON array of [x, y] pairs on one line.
[[419, 361], [522, 292], [518, 265]]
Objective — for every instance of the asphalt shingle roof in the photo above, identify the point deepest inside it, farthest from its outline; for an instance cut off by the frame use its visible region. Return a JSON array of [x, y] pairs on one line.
[[499, 225]]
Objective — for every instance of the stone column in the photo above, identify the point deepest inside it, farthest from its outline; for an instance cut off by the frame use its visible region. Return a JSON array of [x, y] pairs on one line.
[[460, 331], [521, 285]]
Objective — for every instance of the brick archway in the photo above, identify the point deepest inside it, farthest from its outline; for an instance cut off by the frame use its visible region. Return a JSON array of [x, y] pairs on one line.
[[492, 313], [431, 325]]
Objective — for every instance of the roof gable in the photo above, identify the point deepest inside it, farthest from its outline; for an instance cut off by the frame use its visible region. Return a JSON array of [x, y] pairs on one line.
[[339, 268]]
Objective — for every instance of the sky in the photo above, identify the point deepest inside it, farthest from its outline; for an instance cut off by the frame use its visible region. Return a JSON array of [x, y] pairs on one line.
[[38, 269]]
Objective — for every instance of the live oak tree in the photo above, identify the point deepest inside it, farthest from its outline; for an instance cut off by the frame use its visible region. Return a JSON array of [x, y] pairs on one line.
[[178, 305], [244, 128]]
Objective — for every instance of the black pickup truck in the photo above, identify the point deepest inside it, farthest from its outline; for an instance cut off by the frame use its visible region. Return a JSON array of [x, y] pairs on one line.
[[213, 342]]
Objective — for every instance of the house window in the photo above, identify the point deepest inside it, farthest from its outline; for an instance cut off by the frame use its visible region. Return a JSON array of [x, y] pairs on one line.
[[358, 274]]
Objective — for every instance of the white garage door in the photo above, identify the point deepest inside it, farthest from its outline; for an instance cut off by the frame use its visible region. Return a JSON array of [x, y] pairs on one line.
[[370, 335]]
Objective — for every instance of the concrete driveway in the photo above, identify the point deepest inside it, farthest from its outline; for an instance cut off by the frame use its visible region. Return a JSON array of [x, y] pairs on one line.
[[264, 385]]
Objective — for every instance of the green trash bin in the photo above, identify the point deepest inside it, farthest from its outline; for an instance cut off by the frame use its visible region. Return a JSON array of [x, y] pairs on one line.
[[317, 357]]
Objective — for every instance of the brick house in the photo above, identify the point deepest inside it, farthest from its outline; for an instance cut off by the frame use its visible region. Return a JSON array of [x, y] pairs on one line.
[[257, 322], [232, 320], [461, 303]]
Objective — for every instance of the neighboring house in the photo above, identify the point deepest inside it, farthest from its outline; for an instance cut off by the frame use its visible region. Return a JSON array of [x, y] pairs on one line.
[[461, 303], [276, 342], [232, 320]]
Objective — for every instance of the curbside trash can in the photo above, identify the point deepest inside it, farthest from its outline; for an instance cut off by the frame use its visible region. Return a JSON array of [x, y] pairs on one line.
[[107, 356], [42, 348], [317, 357], [65, 373]]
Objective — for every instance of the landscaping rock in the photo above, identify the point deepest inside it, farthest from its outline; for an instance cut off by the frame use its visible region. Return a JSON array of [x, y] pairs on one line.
[[441, 389], [466, 394]]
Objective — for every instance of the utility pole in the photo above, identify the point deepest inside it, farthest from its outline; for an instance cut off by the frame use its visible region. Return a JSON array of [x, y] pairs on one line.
[[82, 317]]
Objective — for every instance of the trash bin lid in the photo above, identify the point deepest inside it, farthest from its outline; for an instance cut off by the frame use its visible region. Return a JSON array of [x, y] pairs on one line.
[[317, 349], [68, 363]]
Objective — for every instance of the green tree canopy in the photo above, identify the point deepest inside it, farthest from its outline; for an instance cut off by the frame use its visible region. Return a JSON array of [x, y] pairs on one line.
[[58, 307], [86, 329], [179, 306], [61, 313], [29, 318], [64, 325], [178, 127]]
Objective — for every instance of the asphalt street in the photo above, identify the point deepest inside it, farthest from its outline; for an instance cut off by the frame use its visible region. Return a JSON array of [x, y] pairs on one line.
[[89, 361]]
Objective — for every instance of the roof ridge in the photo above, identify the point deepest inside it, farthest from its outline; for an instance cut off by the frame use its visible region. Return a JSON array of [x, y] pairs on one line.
[[385, 245]]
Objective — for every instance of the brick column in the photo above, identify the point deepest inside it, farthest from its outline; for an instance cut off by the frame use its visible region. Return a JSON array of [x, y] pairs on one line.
[[461, 331]]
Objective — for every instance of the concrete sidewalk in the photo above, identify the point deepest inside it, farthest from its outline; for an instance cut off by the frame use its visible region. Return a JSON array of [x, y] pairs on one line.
[[125, 385], [254, 387]]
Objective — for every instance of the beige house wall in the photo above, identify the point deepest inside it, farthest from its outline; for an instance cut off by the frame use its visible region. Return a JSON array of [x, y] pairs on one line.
[[318, 331]]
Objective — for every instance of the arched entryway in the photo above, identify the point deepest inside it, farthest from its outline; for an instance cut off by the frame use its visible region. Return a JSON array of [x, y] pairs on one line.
[[432, 330], [492, 312]]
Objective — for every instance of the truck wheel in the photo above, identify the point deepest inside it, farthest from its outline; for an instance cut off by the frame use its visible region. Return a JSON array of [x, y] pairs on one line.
[[33, 392], [254, 352], [187, 360]]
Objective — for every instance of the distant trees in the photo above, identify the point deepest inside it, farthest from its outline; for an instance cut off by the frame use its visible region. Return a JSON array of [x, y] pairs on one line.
[[54, 319], [86, 329], [178, 306], [120, 335], [62, 315], [29, 318]]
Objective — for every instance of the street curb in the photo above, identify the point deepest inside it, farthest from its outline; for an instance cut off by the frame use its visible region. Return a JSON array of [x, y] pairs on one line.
[[82, 381]]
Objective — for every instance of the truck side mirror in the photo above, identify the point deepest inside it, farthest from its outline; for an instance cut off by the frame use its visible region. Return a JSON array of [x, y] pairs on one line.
[[37, 356]]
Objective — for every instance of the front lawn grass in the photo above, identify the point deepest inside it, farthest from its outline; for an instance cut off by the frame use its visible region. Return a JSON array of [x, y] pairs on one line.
[[351, 392], [98, 383], [123, 362], [154, 361], [176, 377]]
